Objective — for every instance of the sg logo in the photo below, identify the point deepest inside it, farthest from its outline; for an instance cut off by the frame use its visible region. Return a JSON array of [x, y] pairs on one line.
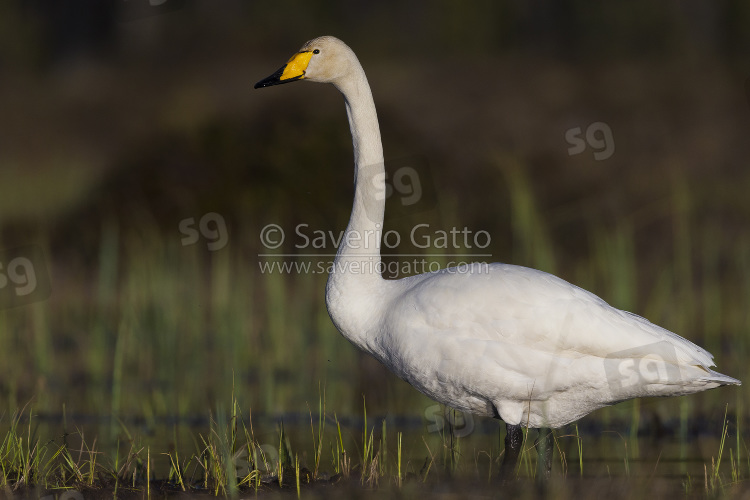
[[23, 276], [598, 136], [19, 273], [462, 424], [211, 226], [629, 369], [405, 181], [405, 184]]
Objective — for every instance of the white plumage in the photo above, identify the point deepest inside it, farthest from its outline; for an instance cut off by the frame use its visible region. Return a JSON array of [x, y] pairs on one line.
[[492, 339]]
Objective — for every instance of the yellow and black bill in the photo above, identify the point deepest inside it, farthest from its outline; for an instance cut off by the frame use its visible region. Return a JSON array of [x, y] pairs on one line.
[[292, 71]]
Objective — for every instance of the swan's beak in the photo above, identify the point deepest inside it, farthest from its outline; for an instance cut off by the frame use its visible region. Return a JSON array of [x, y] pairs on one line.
[[292, 71]]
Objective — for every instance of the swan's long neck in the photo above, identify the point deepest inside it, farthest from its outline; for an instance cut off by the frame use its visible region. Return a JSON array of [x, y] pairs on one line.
[[358, 255], [355, 281]]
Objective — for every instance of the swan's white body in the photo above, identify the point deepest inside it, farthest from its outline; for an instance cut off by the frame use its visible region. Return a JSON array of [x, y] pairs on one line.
[[499, 340]]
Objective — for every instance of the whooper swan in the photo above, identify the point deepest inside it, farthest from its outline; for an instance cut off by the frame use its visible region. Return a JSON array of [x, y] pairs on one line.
[[503, 341]]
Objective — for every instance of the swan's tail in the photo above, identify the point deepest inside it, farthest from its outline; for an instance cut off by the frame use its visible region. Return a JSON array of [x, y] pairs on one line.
[[718, 379]]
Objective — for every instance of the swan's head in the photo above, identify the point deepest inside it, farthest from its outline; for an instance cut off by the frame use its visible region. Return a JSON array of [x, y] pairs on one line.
[[324, 59]]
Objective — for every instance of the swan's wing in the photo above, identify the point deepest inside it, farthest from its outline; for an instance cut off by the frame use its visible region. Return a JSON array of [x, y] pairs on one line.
[[532, 347], [516, 308]]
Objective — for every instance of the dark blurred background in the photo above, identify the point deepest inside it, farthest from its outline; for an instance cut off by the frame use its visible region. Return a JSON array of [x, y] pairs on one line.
[[124, 123]]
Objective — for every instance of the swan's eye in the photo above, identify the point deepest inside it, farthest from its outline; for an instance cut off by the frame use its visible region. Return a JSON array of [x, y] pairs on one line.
[[316, 51]]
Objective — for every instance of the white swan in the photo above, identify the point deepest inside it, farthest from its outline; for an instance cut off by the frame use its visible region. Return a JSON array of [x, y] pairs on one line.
[[500, 340]]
